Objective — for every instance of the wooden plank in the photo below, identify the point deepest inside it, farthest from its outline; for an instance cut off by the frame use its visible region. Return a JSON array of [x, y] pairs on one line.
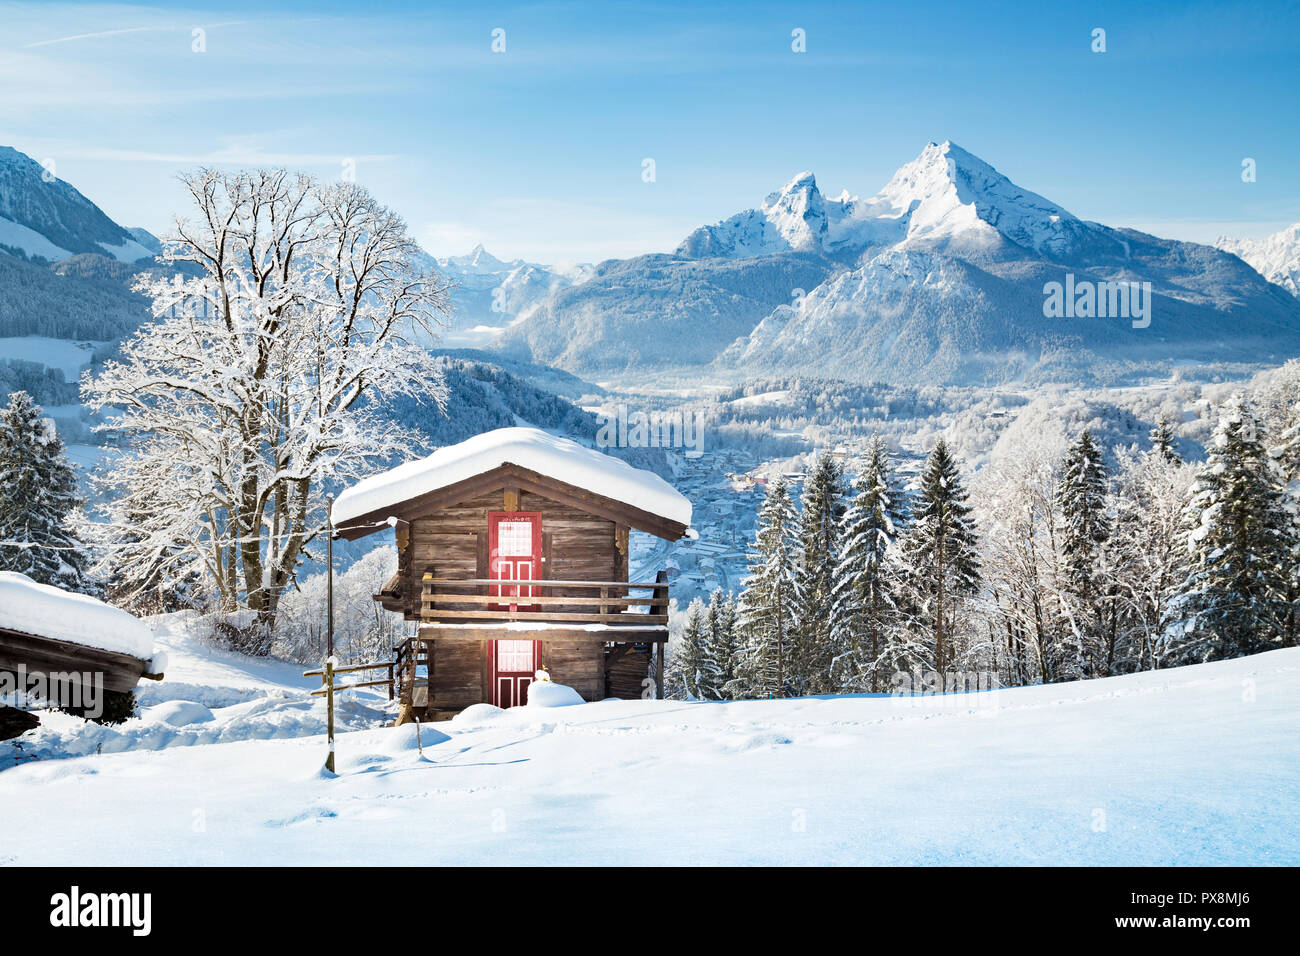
[[558, 617], [466, 634], [339, 688], [443, 597], [548, 583], [349, 669]]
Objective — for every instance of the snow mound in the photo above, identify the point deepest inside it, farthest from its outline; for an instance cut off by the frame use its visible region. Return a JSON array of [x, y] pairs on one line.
[[408, 738], [477, 714], [179, 713], [550, 694], [530, 448], [60, 615]]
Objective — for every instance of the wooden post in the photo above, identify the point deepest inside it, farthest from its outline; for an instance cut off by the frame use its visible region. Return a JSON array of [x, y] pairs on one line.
[[329, 697], [329, 600], [658, 670], [329, 660]]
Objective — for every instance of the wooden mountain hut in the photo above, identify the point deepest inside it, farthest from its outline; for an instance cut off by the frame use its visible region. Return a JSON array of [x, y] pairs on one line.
[[513, 557]]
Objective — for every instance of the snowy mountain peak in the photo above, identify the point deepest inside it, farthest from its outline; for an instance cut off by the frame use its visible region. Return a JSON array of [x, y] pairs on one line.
[[43, 216], [794, 218], [1275, 257], [948, 196], [798, 213], [945, 199], [478, 260]]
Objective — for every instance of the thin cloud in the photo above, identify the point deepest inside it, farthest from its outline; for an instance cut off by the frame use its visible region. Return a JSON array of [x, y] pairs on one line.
[[240, 155], [125, 30], [92, 36]]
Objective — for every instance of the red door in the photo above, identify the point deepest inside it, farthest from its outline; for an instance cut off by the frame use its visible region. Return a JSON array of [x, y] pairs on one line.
[[515, 554], [514, 663]]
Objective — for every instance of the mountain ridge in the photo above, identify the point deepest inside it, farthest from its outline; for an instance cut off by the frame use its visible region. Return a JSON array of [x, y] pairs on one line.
[[943, 272]]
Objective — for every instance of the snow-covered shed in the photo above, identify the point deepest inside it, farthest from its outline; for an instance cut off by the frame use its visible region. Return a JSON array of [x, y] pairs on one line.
[[513, 556], [54, 637]]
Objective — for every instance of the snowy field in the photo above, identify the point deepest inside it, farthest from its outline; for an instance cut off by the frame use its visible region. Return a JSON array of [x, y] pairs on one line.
[[1193, 766], [68, 357]]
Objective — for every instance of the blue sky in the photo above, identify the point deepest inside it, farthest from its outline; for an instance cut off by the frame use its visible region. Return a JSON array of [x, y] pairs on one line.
[[538, 151]]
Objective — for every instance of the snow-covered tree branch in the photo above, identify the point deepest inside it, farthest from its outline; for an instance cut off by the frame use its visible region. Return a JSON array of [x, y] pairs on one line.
[[296, 311]]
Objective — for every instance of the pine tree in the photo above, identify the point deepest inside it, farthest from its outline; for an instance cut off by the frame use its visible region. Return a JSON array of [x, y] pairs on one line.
[[1085, 531], [38, 497], [1287, 461], [721, 626], [820, 522], [1238, 546], [693, 673], [767, 610], [864, 595], [1162, 441], [942, 559]]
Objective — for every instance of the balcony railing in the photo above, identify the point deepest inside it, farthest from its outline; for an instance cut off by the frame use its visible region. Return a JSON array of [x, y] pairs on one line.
[[613, 603]]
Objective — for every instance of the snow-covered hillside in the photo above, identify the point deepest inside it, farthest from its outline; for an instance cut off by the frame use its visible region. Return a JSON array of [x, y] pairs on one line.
[[43, 216], [1276, 257], [1199, 765]]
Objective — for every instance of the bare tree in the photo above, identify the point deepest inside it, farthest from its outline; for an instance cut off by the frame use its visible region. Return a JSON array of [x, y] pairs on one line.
[[297, 310]]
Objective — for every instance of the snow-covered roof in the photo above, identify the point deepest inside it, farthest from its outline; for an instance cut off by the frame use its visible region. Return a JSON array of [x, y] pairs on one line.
[[559, 458], [46, 611]]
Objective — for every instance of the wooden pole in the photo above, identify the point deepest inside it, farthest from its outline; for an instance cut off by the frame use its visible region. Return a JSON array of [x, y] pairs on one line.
[[659, 670], [329, 660], [329, 697], [329, 518]]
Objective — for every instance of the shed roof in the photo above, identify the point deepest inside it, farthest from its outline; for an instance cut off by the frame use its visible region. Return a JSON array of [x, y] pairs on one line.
[[523, 450], [46, 611]]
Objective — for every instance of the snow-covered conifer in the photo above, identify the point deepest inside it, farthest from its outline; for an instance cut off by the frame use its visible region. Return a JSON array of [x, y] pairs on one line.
[[821, 517], [767, 606], [1162, 440], [943, 570], [1085, 531], [723, 652], [692, 674], [1238, 546], [864, 600], [38, 500]]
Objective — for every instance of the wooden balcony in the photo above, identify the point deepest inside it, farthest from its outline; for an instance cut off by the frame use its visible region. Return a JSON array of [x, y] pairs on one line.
[[486, 602]]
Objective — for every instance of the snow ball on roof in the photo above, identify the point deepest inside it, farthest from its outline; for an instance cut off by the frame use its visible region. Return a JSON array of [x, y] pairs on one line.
[[531, 448], [51, 612]]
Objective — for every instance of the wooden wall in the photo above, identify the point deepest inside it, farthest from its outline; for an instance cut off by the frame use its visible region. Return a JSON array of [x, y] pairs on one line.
[[577, 546], [459, 675], [580, 664], [626, 666]]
